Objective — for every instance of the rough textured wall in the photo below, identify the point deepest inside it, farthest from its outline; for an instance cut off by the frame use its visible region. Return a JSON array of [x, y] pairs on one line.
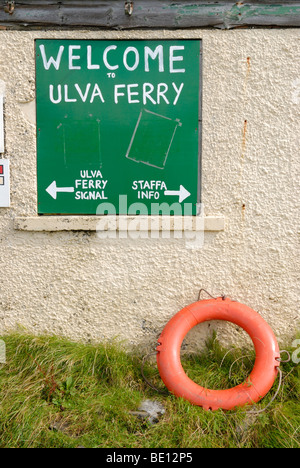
[[77, 285]]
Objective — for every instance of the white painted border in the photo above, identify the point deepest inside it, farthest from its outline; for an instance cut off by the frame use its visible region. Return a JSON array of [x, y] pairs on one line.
[[1, 125]]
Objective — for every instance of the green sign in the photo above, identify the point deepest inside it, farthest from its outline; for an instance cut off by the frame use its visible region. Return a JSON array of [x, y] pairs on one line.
[[117, 125]]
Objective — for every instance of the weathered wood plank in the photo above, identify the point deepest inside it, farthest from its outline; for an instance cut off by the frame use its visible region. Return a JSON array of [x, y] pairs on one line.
[[150, 14]]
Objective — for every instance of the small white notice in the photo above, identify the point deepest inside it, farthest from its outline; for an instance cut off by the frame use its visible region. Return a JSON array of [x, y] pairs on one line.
[[4, 184], [1, 126]]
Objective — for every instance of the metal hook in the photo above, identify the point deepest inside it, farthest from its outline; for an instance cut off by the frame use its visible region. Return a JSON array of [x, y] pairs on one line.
[[129, 8], [9, 7], [199, 296]]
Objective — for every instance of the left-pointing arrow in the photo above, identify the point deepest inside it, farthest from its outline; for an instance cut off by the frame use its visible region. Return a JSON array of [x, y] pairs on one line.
[[53, 190]]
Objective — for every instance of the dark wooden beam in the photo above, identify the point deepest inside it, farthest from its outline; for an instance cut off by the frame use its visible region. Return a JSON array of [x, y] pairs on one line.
[[148, 14]]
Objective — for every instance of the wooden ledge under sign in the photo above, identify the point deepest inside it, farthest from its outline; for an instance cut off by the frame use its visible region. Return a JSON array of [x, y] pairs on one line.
[[119, 223]]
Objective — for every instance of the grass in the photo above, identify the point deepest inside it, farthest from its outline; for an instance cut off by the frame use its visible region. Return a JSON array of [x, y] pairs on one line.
[[59, 394]]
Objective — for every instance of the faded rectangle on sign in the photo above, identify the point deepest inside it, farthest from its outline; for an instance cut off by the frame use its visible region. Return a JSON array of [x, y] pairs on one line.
[[146, 136]]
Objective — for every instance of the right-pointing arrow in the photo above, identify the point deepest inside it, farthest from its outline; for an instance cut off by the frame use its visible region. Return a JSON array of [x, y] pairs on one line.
[[53, 190], [182, 193]]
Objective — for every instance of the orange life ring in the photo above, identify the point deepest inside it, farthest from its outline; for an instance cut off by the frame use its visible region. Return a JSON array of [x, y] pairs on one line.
[[265, 369]]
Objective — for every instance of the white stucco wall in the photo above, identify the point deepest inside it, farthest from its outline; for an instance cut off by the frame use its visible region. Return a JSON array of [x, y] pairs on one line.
[[75, 284]]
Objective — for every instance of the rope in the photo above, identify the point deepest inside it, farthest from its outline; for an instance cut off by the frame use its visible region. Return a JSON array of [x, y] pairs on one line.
[[143, 375], [272, 399]]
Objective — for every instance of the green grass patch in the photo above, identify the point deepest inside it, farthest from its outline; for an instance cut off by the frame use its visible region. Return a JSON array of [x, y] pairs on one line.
[[56, 393]]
